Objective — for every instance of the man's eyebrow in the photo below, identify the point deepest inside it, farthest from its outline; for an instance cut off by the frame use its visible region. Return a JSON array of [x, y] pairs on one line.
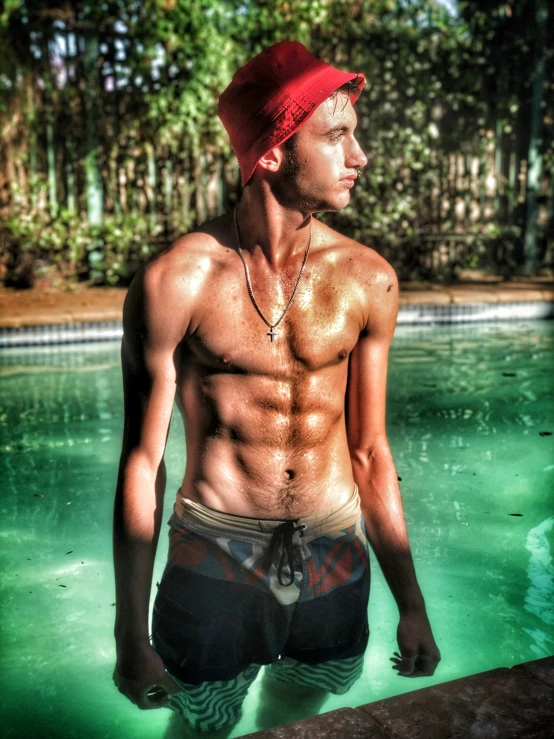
[[342, 129]]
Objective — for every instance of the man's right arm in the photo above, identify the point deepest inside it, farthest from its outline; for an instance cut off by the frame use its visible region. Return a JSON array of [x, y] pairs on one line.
[[152, 336]]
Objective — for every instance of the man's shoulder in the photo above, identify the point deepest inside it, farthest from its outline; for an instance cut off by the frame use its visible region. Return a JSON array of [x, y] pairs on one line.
[[188, 257], [167, 288], [360, 259], [187, 262]]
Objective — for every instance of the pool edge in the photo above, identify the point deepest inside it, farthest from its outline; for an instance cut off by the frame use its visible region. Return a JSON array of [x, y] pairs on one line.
[[516, 702]]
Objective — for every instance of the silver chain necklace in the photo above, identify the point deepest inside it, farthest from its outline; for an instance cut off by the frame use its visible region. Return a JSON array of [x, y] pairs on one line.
[[271, 333]]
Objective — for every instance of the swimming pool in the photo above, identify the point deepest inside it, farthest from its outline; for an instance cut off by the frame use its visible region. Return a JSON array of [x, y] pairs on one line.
[[470, 411]]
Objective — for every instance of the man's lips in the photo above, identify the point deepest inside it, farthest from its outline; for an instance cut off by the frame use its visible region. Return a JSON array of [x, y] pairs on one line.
[[348, 181]]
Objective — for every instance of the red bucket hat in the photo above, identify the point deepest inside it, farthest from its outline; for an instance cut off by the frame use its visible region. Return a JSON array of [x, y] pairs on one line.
[[272, 96]]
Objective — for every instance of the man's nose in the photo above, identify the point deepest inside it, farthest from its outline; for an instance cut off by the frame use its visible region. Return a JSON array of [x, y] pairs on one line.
[[357, 158]]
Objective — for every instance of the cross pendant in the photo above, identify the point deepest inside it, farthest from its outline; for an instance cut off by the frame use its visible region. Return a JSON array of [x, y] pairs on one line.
[[272, 333]]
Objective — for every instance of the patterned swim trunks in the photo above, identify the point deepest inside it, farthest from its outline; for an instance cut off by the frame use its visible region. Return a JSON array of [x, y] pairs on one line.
[[238, 593]]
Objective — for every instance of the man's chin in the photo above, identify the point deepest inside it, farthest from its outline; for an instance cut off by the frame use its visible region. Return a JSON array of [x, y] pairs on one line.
[[333, 205]]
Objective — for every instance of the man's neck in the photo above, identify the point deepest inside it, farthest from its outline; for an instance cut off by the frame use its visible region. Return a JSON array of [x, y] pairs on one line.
[[279, 233]]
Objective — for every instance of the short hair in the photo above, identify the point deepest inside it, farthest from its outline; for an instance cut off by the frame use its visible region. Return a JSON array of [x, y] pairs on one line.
[[352, 87]]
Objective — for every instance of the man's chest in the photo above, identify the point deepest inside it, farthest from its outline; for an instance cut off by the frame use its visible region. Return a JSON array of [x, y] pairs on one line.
[[318, 329]]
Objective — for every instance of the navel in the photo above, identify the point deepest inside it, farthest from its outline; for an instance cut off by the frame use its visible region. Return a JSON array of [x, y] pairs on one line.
[[289, 474]]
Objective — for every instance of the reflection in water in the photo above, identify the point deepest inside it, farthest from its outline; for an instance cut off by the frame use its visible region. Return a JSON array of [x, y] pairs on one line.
[[539, 598]]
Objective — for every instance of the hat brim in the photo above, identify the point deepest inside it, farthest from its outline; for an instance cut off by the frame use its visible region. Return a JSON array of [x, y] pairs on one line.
[[296, 112]]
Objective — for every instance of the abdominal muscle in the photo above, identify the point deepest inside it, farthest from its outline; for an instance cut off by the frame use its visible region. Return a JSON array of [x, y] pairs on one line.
[[252, 450]]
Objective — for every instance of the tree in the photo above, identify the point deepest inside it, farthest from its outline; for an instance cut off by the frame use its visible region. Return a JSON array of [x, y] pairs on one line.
[[111, 109]]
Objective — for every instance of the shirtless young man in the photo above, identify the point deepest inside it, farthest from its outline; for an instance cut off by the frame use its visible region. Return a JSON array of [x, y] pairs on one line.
[[284, 410]]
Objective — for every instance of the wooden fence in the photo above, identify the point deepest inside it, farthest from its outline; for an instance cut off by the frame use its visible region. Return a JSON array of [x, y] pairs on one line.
[[468, 206]]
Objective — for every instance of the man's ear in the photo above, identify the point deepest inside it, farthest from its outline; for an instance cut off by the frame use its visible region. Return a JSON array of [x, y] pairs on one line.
[[272, 160]]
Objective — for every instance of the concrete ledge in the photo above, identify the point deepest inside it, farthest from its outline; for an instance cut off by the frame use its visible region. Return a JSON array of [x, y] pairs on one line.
[[423, 297], [515, 703], [541, 668], [503, 703], [345, 723], [477, 293], [19, 308]]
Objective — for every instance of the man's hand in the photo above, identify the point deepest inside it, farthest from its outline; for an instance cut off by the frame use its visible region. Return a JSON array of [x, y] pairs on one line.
[[141, 677], [419, 654]]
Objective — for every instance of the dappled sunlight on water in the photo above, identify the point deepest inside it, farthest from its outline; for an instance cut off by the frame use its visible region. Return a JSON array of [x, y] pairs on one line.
[[470, 417]]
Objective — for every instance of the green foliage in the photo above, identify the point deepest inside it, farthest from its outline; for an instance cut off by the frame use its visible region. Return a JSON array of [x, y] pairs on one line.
[[440, 88], [108, 254], [115, 250], [438, 91], [10, 8]]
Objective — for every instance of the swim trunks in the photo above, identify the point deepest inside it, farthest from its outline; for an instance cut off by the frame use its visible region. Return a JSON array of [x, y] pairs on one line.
[[239, 592]]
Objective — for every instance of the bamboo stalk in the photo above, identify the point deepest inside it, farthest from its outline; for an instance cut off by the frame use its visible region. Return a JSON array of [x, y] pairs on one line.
[[534, 168], [94, 186]]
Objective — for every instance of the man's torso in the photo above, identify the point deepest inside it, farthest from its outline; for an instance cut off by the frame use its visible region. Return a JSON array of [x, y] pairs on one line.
[[265, 421]]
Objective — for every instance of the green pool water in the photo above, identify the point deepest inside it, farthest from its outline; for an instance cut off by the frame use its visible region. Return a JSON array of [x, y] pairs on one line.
[[469, 413]]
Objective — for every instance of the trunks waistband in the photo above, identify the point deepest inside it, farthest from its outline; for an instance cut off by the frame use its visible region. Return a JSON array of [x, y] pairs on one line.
[[260, 531]]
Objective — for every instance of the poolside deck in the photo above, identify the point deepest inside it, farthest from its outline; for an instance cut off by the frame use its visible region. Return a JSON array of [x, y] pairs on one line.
[[40, 307], [516, 703]]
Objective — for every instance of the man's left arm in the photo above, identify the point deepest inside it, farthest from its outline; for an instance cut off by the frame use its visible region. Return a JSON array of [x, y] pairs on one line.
[[375, 475]]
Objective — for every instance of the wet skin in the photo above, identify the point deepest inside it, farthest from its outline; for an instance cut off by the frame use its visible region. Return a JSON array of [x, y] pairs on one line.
[[266, 433], [275, 429], [265, 421]]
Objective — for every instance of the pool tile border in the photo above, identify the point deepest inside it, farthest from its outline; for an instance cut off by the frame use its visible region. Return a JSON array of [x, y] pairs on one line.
[[424, 314], [71, 333], [470, 312]]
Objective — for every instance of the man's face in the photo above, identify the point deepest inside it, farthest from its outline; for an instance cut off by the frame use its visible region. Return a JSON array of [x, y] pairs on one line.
[[318, 171]]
